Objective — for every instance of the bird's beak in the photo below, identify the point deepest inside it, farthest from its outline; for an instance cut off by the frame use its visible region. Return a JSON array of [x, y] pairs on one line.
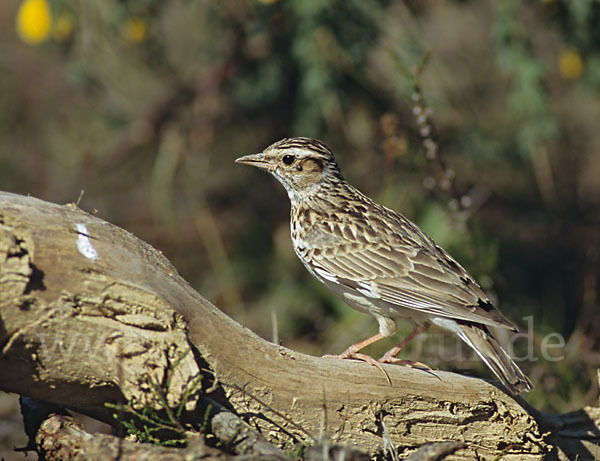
[[257, 160]]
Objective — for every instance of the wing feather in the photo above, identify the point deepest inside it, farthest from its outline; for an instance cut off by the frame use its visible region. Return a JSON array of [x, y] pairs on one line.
[[433, 284]]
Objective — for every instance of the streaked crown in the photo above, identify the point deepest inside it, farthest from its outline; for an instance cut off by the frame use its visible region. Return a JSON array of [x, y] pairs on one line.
[[302, 165]]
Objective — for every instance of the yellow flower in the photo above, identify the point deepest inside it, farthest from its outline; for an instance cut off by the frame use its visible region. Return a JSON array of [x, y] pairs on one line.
[[570, 64], [134, 30], [34, 21], [63, 27]]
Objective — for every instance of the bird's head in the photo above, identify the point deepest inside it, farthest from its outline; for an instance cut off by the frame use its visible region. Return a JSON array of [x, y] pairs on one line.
[[302, 165]]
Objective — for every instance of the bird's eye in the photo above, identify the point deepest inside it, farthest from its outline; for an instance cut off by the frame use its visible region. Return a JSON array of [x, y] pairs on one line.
[[288, 159]]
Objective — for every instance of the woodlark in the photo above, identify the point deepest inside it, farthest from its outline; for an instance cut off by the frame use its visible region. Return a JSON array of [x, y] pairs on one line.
[[378, 261]]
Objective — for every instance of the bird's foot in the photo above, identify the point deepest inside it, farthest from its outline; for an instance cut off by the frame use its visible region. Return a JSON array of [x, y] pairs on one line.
[[408, 363], [349, 354]]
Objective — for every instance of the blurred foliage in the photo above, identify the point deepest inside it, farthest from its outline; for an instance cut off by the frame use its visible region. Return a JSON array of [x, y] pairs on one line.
[[144, 105]]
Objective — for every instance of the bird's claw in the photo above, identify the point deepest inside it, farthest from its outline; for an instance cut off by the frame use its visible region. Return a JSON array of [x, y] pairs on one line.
[[363, 357], [408, 363]]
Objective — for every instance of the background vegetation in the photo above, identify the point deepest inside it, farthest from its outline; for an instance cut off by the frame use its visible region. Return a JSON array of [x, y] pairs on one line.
[[144, 105]]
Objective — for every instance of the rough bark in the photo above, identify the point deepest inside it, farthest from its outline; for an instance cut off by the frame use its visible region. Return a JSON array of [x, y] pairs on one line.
[[61, 438], [90, 314]]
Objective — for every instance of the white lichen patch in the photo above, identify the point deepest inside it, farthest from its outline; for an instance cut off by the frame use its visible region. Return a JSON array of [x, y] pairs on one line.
[[84, 244]]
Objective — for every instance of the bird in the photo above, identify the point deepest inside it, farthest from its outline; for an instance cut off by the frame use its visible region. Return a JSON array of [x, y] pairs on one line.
[[379, 262]]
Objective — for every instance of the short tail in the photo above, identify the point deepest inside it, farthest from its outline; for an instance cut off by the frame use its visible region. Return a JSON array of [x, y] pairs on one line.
[[497, 359]]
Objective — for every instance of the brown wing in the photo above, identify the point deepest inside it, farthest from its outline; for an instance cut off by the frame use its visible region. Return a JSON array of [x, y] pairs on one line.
[[408, 275]]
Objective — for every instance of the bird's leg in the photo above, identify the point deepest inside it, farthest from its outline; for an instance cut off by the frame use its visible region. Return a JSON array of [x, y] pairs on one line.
[[390, 356], [353, 353]]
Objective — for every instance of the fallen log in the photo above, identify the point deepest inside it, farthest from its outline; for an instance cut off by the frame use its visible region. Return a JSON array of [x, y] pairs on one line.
[[91, 315]]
